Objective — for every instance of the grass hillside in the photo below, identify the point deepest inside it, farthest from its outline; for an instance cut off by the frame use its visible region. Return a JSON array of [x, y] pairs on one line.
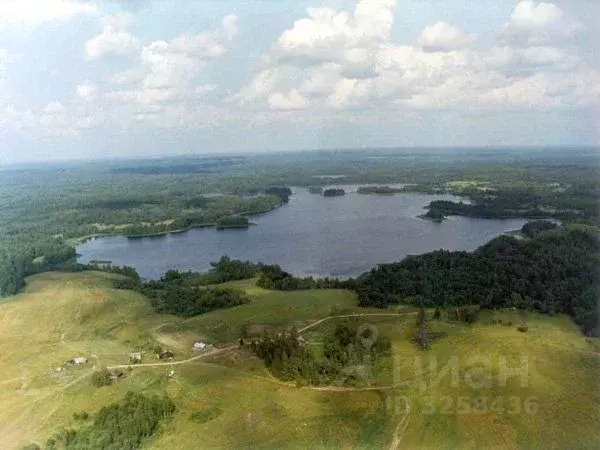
[[230, 401]]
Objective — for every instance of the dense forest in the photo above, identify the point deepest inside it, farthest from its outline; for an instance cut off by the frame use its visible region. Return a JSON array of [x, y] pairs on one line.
[[555, 271], [222, 271], [170, 295], [121, 426], [187, 294]]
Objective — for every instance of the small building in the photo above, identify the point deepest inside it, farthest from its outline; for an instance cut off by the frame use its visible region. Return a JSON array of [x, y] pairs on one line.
[[135, 357], [77, 361], [202, 346]]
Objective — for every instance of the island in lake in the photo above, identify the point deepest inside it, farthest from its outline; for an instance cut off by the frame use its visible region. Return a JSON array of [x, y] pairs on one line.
[[435, 215], [381, 190], [333, 192]]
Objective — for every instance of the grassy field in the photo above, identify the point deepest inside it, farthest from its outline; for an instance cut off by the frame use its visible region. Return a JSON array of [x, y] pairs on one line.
[[61, 316]]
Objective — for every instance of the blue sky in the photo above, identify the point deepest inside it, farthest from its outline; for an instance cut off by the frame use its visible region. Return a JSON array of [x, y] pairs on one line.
[[95, 79]]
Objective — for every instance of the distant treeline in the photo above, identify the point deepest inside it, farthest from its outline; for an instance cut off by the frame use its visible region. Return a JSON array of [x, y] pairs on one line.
[[385, 190], [574, 203], [35, 246], [282, 192], [534, 227], [274, 277], [123, 425], [204, 165], [333, 192], [28, 258], [556, 271]]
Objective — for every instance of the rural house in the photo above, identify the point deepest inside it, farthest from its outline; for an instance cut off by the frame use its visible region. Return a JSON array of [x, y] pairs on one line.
[[77, 361]]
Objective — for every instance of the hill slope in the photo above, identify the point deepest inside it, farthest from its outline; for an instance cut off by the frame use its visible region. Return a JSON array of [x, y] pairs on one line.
[[62, 316]]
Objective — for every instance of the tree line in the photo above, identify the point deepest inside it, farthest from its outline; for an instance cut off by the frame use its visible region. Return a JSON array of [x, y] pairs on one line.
[[171, 296], [556, 271]]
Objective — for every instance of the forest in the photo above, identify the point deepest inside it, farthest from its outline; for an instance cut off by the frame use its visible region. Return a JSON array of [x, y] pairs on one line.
[[171, 295], [555, 271]]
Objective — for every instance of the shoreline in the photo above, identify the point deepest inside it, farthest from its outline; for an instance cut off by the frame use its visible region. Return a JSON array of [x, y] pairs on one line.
[[83, 239]]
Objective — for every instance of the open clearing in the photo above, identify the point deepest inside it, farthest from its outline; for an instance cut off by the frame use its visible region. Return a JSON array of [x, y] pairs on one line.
[[61, 316]]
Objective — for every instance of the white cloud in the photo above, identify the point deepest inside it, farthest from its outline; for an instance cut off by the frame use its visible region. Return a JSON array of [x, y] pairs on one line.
[[291, 100], [230, 26], [332, 65], [111, 41], [16, 119], [87, 91], [31, 13], [345, 61], [443, 37], [204, 89], [175, 63], [70, 119], [54, 107], [538, 23], [330, 35], [529, 15], [168, 74], [127, 77], [3, 62]]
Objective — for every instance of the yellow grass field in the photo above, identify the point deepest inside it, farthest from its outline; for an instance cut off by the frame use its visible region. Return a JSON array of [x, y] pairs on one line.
[[61, 316]]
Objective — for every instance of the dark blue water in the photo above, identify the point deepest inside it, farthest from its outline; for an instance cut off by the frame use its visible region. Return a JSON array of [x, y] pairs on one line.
[[311, 235]]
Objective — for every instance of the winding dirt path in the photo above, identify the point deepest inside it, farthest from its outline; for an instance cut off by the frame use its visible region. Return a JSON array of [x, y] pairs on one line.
[[173, 363], [400, 429], [318, 322]]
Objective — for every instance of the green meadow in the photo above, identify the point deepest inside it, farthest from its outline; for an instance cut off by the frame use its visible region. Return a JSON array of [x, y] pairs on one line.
[[229, 400]]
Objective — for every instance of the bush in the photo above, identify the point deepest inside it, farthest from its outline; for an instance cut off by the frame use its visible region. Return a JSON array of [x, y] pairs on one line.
[[522, 328], [101, 378], [81, 416], [437, 315]]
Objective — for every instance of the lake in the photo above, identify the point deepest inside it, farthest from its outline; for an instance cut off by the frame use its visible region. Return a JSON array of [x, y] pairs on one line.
[[311, 235]]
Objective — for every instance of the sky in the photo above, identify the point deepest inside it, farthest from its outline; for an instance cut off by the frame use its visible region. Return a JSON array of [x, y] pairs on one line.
[[97, 79]]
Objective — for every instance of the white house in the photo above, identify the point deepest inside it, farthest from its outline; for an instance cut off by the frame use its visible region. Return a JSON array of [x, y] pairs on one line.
[[201, 346], [79, 360]]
